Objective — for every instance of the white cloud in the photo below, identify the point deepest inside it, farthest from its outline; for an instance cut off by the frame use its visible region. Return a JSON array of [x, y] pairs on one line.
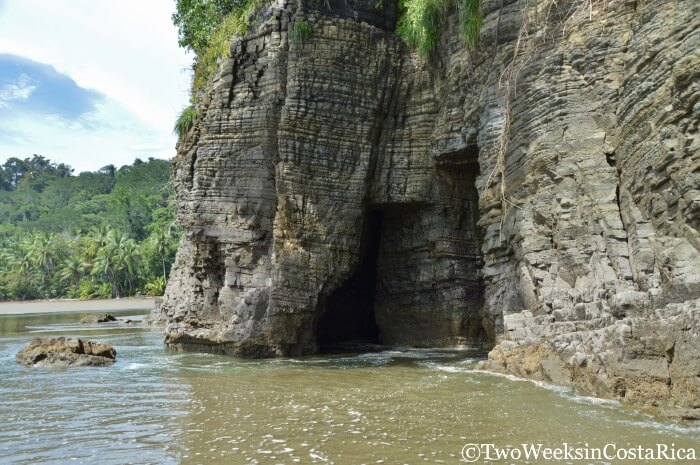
[[16, 91], [106, 136], [126, 50]]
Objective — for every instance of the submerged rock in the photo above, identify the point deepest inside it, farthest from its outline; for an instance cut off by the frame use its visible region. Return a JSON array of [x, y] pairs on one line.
[[99, 318], [62, 351]]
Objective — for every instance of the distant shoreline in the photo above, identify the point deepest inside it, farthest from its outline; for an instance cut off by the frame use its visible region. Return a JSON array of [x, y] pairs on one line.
[[74, 305]]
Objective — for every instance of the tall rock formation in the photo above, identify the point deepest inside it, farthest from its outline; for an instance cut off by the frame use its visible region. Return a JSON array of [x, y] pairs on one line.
[[540, 191]]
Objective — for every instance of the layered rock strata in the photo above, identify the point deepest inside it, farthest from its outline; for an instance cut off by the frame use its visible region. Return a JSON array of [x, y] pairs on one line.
[[540, 191]]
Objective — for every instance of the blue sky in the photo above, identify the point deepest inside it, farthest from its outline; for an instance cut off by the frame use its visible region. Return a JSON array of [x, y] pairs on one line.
[[90, 82]]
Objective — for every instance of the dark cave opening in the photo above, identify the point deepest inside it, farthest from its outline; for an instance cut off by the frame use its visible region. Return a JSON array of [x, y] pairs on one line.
[[348, 316], [417, 281]]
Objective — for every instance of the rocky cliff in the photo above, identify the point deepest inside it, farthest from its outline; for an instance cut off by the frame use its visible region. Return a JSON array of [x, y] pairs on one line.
[[539, 191]]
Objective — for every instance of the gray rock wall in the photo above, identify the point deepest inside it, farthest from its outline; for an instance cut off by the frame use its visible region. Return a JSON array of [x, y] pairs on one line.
[[539, 191], [591, 250], [298, 144]]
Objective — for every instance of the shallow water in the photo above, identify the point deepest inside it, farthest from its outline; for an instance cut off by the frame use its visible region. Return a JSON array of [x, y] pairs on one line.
[[395, 406]]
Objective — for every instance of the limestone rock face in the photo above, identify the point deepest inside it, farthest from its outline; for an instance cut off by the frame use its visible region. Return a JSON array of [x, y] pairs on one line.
[[540, 191], [65, 352], [307, 188]]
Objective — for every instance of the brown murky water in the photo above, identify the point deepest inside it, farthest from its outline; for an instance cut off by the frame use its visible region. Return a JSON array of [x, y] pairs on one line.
[[392, 406]]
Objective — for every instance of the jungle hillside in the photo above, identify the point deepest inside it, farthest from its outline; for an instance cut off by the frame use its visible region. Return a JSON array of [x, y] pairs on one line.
[[107, 233]]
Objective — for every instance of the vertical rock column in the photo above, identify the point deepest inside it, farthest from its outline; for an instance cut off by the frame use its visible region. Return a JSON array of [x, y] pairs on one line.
[[272, 185], [338, 91], [217, 297]]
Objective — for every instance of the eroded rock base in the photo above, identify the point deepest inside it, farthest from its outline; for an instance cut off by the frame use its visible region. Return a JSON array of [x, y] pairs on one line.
[[647, 359]]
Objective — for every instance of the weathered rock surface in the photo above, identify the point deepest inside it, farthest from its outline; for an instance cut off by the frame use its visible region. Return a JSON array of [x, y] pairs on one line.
[[650, 359], [540, 191], [299, 182], [62, 351], [99, 318]]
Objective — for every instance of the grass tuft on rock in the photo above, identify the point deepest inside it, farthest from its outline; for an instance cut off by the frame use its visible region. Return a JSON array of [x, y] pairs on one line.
[[471, 20], [185, 120], [421, 22], [301, 31]]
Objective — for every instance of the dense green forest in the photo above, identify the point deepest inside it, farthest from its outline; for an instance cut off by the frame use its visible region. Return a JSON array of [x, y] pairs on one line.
[[108, 233]]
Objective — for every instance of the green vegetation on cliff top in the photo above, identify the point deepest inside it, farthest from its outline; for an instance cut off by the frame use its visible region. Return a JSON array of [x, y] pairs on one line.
[[107, 233], [207, 28]]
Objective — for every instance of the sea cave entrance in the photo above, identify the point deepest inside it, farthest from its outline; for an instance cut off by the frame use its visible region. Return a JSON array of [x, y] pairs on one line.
[[417, 281], [348, 316]]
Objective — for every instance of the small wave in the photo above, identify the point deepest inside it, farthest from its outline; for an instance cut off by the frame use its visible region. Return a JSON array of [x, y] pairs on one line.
[[652, 423], [590, 400], [541, 384], [137, 366], [76, 328], [388, 356], [645, 420], [452, 369], [367, 359]]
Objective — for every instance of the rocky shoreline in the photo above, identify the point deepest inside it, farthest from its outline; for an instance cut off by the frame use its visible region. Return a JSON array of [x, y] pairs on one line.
[[648, 360], [537, 193]]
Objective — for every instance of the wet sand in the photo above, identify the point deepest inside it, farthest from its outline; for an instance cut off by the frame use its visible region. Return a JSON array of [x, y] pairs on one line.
[[59, 306]]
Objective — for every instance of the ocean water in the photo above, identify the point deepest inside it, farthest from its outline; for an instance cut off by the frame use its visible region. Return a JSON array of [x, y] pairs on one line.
[[378, 406]]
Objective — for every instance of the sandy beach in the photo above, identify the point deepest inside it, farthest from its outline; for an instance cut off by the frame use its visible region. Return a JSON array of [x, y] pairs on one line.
[[69, 305]]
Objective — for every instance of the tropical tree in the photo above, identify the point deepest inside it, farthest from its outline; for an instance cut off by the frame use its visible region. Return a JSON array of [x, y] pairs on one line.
[[71, 271], [96, 239], [20, 280], [98, 234], [161, 240], [117, 262]]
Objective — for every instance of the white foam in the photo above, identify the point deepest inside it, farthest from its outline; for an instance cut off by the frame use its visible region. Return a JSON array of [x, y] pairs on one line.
[[137, 366], [652, 423]]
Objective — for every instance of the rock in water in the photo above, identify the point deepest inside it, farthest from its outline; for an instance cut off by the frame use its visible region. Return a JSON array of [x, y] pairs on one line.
[[99, 318], [62, 351]]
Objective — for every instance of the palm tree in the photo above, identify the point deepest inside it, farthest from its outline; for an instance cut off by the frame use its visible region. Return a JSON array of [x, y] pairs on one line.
[[118, 261], [5, 259], [129, 259], [41, 251], [106, 263], [160, 240], [21, 279], [72, 269], [96, 239]]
